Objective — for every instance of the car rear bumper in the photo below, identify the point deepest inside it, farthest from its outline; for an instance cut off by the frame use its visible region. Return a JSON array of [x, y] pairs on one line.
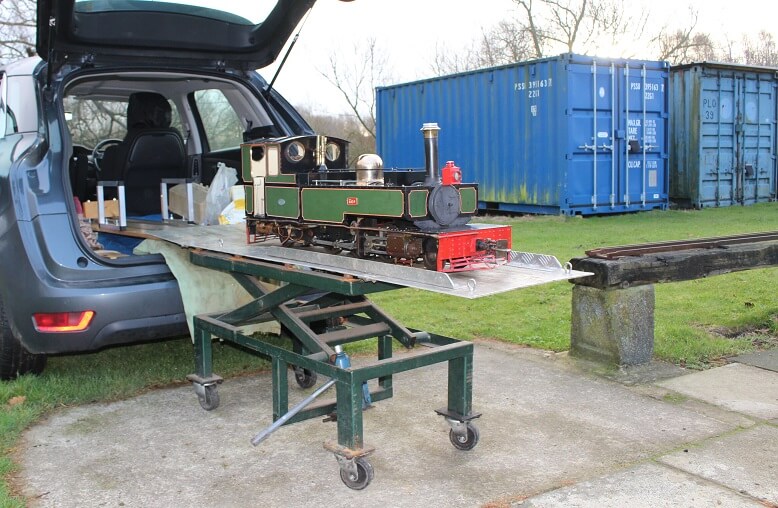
[[130, 304]]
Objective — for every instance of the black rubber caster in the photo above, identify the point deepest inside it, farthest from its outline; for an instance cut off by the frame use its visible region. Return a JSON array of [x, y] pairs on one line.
[[362, 478], [209, 399], [305, 378], [465, 442]]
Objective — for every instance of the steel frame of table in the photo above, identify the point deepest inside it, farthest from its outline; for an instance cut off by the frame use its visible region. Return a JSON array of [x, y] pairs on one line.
[[306, 301]]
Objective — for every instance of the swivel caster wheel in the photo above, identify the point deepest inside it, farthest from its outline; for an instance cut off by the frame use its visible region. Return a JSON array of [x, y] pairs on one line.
[[305, 378], [466, 438], [208, 396], [359, 475]]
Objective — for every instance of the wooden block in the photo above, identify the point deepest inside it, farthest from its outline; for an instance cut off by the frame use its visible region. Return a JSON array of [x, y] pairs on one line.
[[111, 209]]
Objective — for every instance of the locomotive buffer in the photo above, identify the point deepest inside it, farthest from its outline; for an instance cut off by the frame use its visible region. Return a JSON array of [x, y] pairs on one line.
[[321, 305]]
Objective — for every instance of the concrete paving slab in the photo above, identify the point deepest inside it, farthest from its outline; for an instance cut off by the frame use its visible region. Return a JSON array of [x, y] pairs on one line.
[[745, 461], [737, 387], [543, 427], [763, 359], [645, 486]]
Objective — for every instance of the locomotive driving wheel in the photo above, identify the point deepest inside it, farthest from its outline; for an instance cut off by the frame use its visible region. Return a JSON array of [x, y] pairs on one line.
[[430, 254], [289, 235], [360, 236]]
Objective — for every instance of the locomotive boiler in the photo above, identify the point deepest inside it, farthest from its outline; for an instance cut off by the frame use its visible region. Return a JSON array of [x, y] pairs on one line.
[[299, 190]]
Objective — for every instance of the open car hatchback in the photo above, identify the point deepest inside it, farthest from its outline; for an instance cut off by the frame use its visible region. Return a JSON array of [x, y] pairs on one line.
[[182, 71]]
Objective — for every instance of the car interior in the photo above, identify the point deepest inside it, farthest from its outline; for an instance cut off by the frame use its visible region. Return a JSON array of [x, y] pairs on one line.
[[139, 128]]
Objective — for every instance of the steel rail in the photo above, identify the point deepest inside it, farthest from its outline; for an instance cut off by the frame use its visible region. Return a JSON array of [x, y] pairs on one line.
[[678, 245]]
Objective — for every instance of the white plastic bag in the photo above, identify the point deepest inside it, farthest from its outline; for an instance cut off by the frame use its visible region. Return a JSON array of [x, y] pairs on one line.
[[219, 192], [235, 211]]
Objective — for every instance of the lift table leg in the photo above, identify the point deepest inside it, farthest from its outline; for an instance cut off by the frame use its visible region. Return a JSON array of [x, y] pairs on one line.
[[460, 385], [355, 471], [204, 381], [280, 388], [385, 352], [463, 435]]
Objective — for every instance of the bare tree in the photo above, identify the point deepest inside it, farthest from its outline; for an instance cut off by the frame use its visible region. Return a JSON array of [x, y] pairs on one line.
[[579, 25], [727, 49], [682, 47], [17, 29], [557, 22], [613, 24], [504, 43], [544, 27], [761, 50], [448, 61], [342, 126], [356, 77], [685, 45]]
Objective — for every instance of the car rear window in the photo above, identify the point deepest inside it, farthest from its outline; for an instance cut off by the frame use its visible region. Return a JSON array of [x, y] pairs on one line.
[[242, 13]]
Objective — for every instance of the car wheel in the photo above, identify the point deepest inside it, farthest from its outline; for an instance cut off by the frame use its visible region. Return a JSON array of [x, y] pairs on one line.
[[15, 360]]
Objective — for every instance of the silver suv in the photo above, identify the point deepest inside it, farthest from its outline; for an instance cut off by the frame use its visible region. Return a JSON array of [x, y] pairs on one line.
[[187, 74]]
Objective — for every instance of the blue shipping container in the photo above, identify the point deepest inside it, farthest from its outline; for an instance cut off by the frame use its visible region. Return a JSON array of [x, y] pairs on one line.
[[723, 122], [571, 134]]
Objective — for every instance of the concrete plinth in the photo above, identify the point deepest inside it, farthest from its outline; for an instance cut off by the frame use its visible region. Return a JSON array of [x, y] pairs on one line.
[[613, 325]]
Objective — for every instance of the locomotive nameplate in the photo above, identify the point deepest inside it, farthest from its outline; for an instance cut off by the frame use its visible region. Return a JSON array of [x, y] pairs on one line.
[[523, 270]]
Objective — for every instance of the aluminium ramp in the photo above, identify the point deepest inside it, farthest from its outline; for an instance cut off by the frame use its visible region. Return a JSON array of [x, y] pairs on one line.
[[523, 270]]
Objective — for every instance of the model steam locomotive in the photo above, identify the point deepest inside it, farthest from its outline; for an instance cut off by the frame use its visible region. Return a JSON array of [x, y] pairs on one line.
[[298, 189]]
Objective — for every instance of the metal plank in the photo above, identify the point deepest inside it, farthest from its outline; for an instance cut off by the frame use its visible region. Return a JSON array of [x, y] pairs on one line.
[[523, 270]]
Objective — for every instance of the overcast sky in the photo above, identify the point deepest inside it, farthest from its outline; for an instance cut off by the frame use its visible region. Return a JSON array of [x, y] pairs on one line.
[[409, 30]]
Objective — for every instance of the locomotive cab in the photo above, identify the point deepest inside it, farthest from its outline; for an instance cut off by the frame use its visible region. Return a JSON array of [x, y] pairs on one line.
[[292, 155]]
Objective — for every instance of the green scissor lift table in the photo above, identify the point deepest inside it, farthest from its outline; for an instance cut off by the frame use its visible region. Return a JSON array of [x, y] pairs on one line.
[[319, 312], [321, 305]]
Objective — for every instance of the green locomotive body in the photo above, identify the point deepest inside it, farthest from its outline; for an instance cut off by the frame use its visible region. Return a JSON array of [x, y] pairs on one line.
[[299, 190]]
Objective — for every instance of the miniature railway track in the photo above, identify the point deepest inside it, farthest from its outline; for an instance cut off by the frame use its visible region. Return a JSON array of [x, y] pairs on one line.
[[672, 246]]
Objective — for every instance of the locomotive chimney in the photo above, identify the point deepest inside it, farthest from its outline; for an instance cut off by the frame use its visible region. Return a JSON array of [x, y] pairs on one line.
[[430, 131]]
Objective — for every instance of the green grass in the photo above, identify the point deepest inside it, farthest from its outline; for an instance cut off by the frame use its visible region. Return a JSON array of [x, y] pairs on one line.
[[688, 314], [697, 322]]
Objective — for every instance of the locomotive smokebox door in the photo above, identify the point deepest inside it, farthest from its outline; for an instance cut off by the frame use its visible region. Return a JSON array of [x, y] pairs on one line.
[[444, 204]]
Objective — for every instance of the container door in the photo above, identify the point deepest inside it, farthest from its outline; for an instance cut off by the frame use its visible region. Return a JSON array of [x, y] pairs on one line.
[[737, 136], [755, 135], [592, 185], [718, 139], [641, 139]]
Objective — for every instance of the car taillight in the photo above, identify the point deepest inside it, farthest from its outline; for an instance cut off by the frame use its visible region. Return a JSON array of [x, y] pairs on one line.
[[54, 322]]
